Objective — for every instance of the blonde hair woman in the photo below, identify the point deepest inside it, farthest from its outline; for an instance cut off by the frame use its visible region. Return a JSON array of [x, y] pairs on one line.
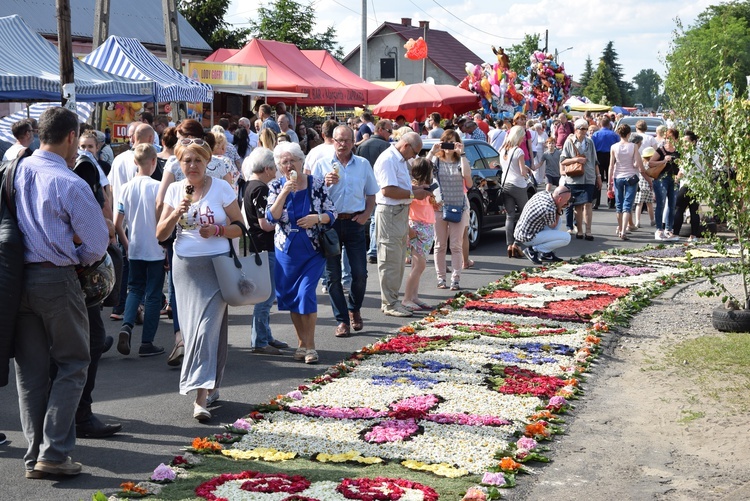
[[514, 184], [454, 177], [267, 138]]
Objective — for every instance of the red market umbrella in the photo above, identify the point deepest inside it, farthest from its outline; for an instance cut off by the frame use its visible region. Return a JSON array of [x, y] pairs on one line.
[[417, 101]]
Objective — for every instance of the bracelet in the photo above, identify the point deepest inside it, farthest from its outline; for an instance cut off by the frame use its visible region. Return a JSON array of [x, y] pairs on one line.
[[216, 230]]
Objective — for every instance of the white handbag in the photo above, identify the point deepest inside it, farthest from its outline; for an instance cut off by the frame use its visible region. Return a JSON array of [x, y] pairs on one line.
[[243, 280]]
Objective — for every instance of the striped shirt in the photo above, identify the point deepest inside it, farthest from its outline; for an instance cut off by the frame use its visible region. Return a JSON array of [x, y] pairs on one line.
[[539, 212], [54, 204]]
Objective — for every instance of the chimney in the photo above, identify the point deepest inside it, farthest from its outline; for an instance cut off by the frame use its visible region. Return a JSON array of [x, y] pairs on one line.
[[406, 21], [424, 25]]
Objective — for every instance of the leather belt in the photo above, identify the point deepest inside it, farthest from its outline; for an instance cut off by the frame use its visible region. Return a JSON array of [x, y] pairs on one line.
[[43, 264], [344, 217]]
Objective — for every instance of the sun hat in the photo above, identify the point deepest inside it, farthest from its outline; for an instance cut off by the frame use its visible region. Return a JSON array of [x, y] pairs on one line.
[[648, 152]]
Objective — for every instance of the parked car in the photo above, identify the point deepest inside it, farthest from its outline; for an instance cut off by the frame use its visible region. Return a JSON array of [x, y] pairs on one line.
[[651, 123], [485, 213]]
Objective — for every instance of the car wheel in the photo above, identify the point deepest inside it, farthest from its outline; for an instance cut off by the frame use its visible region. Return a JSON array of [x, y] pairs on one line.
[[475, 226]]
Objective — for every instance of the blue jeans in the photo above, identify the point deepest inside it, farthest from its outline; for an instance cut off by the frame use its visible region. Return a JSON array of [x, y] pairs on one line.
[[261, 327], [624, 195], [373, 250], [664, 193], [146, 279], [352, 237]]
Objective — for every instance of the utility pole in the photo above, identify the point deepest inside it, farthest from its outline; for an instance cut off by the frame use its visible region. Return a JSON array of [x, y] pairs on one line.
[[172, 44], [425, 27], [546, 40], [363, 43], [65, 46], [101, 32]]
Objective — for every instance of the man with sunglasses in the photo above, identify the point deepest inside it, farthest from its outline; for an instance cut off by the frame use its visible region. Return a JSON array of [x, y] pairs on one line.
[[371, 150], [539, 225]]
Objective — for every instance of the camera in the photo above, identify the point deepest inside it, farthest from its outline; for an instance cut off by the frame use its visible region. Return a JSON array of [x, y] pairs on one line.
[[447, 146]]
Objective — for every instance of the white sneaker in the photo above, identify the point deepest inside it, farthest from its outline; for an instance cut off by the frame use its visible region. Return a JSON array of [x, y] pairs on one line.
[[659, 235]]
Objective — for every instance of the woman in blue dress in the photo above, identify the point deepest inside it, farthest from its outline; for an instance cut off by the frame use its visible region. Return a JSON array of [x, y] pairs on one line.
[[300, 207]]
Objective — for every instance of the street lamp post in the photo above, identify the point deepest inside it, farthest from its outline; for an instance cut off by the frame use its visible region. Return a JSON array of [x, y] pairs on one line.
[[558, 53]]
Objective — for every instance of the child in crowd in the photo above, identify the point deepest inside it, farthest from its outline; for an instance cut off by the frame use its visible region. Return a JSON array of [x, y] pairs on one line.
[[421, 235], [645, 193], [550, 164], [137, 208]]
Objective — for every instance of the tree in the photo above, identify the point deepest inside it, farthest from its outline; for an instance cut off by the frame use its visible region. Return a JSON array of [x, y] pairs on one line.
[[207, 17], [588, 71], [602, 88], [715, 43], [290, 22], [609, 56], [647, 84], [518, 54]]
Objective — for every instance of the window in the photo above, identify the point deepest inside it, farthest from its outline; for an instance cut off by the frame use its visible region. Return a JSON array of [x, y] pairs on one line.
[[388, 68]]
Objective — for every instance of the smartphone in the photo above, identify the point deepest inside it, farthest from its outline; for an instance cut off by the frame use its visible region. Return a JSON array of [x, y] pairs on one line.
[[447, 146], [433, 186]]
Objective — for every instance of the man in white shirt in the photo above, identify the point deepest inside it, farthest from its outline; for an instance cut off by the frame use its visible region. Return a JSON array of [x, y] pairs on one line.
[[392, 217], [24, 134], [285, 127], [352, 187]]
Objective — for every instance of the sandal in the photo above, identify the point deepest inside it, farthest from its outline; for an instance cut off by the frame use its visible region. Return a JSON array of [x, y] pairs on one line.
[[579, 236], [311, 357], [424, 306], [299, 353], [470, 264], [178, 352], [441, 284], [455, 286], [589, 237], [411, 306]]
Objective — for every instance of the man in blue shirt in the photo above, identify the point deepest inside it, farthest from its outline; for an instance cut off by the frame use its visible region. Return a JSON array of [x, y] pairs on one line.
[[603, 139], [264, 113], [63, 227], [352, 187]]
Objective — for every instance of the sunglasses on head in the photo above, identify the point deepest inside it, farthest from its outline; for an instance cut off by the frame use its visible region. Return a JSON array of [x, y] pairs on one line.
[[188, 141]]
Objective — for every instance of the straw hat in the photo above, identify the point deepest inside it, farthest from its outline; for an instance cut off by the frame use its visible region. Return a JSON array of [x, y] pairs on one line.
[[648, 152]]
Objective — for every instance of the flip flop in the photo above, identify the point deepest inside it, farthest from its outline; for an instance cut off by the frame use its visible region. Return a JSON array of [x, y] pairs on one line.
[[424, 306]]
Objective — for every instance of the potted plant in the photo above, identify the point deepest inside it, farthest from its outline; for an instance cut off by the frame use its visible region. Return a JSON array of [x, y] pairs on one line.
[[718, 169]]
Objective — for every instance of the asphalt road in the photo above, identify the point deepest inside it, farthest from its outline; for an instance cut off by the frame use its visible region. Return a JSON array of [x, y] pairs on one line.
[[141, 393]]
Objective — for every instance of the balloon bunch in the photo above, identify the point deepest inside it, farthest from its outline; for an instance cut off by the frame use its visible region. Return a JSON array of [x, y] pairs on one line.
[[496, 86], [549, 84], [415, 49]]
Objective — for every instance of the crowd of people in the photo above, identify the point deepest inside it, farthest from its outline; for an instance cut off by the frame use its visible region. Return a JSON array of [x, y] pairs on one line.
[[181, 195]]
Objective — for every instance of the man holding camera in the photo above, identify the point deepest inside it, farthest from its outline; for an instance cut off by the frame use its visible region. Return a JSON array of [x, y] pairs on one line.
[[539, 225]]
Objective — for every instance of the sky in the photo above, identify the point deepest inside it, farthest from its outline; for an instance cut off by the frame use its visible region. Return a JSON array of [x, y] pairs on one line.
[[640, 29]]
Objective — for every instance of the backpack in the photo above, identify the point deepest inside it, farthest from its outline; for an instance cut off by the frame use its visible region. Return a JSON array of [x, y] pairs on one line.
[[11, 263]]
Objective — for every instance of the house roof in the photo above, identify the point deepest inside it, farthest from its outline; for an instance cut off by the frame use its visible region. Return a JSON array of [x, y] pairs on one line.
[[444, 50], [140, 19]]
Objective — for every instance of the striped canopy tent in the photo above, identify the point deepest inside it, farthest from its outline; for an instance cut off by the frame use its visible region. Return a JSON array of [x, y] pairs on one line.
[[35, 111], [127, 58], [29, 71]]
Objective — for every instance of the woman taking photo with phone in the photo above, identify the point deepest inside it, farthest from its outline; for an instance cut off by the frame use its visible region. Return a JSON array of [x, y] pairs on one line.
[[453, 175]]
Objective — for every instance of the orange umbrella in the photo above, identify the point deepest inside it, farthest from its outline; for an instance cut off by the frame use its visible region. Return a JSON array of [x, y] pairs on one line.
[[417, 101]]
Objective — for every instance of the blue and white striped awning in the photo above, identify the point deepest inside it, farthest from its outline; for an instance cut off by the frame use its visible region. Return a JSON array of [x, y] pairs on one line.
[[29, 71], [127, 58], [83, 110]]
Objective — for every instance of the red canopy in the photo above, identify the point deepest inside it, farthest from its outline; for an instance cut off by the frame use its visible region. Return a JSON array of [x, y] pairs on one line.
[[289, 70], [329, 64], [416, 101], [221, 55]]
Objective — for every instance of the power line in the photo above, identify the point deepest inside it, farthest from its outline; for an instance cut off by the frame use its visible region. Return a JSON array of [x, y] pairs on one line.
[[372, 3], [495, 35], [447, 28]]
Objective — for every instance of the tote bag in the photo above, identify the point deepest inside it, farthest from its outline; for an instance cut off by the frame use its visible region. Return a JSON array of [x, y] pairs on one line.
[[243, 280]]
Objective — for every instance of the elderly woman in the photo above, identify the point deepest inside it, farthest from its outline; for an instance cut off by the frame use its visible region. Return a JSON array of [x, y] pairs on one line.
[[624, 165], [514, 172], [300, 207], [453, 177], [205, 213], [578, 148]]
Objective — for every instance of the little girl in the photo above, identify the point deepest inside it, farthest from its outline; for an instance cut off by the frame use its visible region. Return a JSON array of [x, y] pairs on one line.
[[645, 193], [421, 235]]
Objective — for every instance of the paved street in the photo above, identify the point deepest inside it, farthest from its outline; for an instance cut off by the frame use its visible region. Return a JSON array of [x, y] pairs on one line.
[[141, 393]]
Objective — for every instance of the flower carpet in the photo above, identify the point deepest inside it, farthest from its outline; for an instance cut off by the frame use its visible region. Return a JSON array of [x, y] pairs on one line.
[[476, 392]]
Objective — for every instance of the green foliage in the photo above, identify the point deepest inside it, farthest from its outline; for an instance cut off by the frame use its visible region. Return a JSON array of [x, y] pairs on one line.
[[602, 88], [716, 49], [518, 54], [647, 84], [719, 167], [609, 56], [588, 72], [207, 17], [291, 22]]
